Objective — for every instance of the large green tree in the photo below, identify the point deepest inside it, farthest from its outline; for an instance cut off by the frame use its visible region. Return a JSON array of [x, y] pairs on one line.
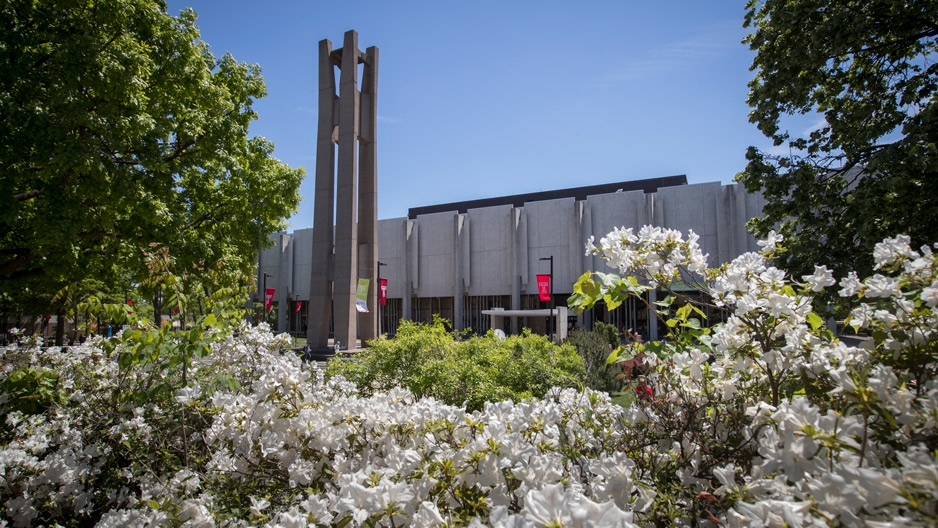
[[867, 70], [121, 134]]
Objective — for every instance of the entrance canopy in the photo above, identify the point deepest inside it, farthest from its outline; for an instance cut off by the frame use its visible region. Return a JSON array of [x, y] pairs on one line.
[[560, 317]]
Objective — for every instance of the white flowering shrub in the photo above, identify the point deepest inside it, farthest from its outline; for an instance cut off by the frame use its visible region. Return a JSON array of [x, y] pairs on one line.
[[769, 418], [764, 420]]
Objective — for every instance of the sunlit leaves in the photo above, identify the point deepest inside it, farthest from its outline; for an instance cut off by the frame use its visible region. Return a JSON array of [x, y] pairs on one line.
[[865, 74], [121, 129]]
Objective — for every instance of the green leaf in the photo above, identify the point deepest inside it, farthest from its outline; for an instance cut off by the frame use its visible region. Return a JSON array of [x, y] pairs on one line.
[[613, 356], [814, 320], [693, 323]]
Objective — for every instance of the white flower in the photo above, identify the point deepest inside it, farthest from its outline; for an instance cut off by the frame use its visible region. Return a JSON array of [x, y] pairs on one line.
[[850, 285], [258, 506], [188, 394], [770, 242], [861, 316], [821, 278], [553, 506], [773, 276], [195, 513], [427, 516], [882, 286], [317, 508], [292, 518], [930, 296], [590, 246], [891, 249]]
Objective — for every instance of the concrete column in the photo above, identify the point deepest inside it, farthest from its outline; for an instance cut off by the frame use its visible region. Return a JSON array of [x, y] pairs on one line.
[[345, 284], [368, 193], [320, 283]]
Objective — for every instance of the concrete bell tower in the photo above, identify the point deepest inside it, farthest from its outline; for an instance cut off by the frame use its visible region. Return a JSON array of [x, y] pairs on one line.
[[345, 216]]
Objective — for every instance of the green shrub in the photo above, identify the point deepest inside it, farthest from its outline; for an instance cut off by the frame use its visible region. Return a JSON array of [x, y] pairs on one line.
[[31, 390], [594, 347], [609, 332], [429, 360]]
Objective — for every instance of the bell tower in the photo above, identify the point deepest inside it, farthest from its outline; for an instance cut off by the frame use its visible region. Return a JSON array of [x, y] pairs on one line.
[[345, 215]]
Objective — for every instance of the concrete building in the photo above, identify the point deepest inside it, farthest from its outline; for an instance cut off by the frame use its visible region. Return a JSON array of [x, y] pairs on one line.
[[468, 261]]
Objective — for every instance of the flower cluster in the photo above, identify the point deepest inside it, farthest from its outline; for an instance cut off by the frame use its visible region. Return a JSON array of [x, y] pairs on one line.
[[767, 418], [655, 254]]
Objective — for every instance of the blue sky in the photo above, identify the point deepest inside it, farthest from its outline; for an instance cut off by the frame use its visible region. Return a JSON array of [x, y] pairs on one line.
[[490, 98]]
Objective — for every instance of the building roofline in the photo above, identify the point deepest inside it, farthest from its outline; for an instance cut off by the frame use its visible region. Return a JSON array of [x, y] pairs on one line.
[[649, 185]]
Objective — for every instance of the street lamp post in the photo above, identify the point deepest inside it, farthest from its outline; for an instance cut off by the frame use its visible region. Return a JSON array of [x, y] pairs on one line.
[[379, 295], [265, 294], [550, 319]]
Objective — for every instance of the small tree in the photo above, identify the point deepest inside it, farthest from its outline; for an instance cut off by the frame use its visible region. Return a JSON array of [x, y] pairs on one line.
[[120, 134]]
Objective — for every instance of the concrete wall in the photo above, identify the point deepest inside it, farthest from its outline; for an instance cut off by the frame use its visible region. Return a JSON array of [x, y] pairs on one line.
[[496, 251]]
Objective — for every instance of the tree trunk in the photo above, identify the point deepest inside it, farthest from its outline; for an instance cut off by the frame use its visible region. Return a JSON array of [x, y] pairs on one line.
[[59, 327], [158, 307]]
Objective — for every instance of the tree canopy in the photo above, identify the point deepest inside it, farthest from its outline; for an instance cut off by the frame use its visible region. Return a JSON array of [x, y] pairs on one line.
[[867, 71], [121, 134]]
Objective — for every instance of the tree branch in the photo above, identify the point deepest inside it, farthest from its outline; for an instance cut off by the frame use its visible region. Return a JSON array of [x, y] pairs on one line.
[[99, 233], [22, 197], [8, 268], [205, 217]]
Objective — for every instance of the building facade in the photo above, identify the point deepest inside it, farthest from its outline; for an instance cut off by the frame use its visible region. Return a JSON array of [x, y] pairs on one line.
[[464, 259]]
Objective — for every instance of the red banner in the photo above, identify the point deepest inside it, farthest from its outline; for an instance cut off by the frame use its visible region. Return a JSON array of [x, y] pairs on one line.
[[299, 304], [269, 299], [383, 291], [543, 286]]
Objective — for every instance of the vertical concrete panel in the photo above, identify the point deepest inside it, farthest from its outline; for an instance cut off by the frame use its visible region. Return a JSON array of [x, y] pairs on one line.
[[285, 280], [437, 254], [461, 258], [412, 267], [269, 263], [522, 244], [727, 236], [392, 251], [551, 232], [692, 207], [288, 266], [518, 255], [585, 224], [586, 261], [413, 256], [302, 262], [611, 211], [490, 251]]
